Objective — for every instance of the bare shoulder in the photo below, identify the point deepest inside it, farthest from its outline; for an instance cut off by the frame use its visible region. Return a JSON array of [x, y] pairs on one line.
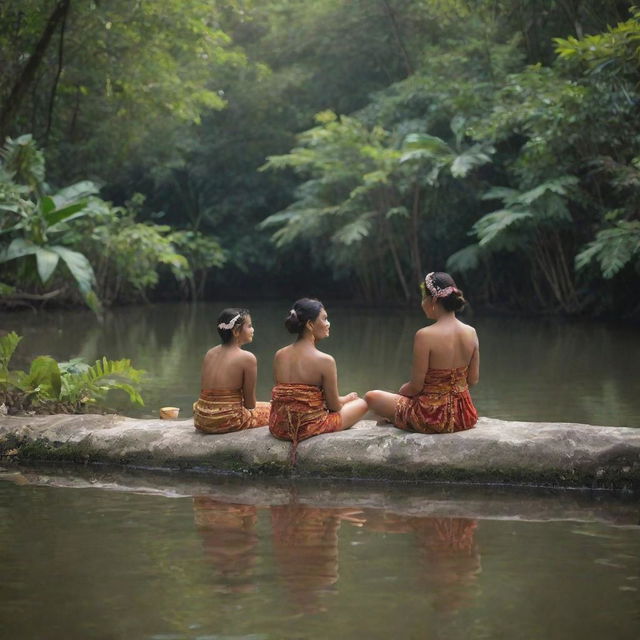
[[325, 358], [469, 330], [422, 335], [212, 352], [248, 357], [281, 353]]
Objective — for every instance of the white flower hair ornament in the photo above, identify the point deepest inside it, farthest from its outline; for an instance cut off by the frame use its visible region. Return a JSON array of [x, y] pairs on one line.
[[434, 290], [230, 324]]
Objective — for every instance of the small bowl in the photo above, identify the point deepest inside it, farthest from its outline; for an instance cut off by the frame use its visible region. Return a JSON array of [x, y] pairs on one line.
[[169, 413]]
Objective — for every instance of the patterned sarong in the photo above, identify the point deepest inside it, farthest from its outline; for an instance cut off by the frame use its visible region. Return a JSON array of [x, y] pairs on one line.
[[443, 406], [298, 411], [223, 411]]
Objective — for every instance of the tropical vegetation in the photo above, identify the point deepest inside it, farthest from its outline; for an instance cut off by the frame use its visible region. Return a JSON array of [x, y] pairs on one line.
[[336, 147], [63, 387]]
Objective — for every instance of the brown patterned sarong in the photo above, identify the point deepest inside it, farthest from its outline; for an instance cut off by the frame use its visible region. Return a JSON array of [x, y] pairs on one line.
[[223, 411], [443, 406], [298, 411]]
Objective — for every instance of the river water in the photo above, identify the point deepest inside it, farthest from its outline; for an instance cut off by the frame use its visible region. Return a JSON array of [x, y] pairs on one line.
[[99, 554], [93, 553], [531, 369]]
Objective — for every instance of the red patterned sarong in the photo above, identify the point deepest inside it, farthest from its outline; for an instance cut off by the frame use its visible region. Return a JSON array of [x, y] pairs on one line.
[[443, 406], [298, 411], [223, 411]]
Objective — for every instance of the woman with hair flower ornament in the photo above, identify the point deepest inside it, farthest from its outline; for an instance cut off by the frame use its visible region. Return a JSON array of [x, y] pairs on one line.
[[227, 399], [446, 361], [305, 401]]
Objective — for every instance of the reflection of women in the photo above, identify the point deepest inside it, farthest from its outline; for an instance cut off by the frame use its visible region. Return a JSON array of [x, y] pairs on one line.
[[228, 383], [305, 541], [451, 559], [305, 400], [446, 360], [229, 539]]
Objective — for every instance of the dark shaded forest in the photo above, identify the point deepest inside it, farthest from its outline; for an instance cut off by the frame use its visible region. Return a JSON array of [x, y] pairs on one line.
[[192, 149]]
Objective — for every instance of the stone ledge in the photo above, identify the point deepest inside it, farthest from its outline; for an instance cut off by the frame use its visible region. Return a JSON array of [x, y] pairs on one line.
[[496, 451]]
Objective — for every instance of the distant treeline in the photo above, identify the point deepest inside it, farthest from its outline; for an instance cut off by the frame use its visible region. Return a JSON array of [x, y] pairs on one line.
[[331, 147]]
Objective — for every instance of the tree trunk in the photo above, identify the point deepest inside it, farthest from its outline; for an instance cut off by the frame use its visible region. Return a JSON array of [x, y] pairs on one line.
[[415, 242], [396, 261], [24, 81], [408, 67], [54, 88]]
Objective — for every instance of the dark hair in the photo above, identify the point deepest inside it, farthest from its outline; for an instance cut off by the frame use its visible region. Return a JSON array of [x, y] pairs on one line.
[[454, 301], [225, 317], [302, 311]]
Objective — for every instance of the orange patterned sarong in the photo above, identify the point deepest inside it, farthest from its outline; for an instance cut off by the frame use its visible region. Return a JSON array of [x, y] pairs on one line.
[[298, 411], [223, 411], [443, 406]]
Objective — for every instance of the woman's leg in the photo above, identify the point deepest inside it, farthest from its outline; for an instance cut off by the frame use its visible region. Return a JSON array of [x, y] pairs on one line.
[[352, 411], [383, 403]]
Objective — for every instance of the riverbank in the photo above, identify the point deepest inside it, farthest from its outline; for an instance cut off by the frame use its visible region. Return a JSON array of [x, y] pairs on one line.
[[496, 451]]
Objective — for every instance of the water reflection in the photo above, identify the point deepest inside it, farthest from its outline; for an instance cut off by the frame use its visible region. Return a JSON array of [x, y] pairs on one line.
[[449, 559], [229, 539], [305, 550], [134, 555]]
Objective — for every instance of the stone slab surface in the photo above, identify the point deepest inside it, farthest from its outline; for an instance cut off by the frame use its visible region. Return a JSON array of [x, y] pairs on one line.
[[496, 451]]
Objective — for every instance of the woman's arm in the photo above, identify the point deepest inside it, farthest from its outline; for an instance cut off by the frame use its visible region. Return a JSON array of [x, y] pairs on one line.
[[330, 384], [473, 373], [249, 377], [419, 366]]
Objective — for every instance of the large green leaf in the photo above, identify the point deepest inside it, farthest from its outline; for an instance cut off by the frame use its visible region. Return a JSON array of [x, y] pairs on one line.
[[18, 248], [466, 259], [354, 231], [8, 344], [44, 376], [66, 214], [94, 382], [47, 262], [74, 192], [612, 248], [468, 160], [79, 266], [559, 186], [431, 146], [491, 226]]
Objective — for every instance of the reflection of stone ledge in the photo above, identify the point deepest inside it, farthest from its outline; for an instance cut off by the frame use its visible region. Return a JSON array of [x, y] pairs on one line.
[[496, 451]]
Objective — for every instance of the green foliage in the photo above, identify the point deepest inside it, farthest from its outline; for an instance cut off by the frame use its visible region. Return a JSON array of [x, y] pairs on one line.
[[364, 194], [541, 114], [82, 385], [8, 345], [23, 162], [72, 386], [36, 220], [613, 248], [130, 255]]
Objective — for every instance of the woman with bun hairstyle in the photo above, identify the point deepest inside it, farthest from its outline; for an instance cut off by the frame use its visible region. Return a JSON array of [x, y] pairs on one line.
[[228, 381], [305, 400], [446, 361]]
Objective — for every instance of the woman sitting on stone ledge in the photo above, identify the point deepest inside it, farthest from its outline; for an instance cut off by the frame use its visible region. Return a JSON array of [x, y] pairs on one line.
[[446, 360], [305, 400], [228, 382]]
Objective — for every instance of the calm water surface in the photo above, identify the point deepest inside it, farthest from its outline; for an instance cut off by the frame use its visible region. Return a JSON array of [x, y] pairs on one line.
[[122, 556], [538, 369]]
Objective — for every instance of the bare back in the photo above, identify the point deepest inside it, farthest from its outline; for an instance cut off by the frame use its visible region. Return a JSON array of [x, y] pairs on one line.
[[446, 344], [451, 345], [300, 363], [225, 368]]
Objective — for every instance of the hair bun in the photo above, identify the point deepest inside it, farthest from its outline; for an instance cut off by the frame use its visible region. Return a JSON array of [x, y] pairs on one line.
[[292, 322]]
